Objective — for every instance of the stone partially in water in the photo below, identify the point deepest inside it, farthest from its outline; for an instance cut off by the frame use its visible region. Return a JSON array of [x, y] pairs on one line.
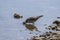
[[38, 38], [57, 22], [17, 16]]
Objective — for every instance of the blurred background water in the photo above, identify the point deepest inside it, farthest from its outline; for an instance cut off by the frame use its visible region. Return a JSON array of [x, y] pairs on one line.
[[13, 29]]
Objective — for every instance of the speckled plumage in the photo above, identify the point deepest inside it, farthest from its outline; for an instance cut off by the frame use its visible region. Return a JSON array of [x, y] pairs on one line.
[[33, 19]]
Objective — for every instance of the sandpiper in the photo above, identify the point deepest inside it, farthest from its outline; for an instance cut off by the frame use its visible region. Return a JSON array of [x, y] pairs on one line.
[[32, 19]]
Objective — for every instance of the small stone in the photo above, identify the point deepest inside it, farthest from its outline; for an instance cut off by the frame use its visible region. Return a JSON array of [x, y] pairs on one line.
[[17, 16]]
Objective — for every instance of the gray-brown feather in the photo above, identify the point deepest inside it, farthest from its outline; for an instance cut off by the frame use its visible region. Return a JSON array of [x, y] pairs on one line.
[[32, 19]]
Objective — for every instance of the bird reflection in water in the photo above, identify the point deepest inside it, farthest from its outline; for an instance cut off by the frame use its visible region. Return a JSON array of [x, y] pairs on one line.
[[31, 27]]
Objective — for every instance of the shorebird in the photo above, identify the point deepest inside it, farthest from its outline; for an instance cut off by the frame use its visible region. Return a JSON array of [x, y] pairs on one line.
[[17, 16], [32, 19]]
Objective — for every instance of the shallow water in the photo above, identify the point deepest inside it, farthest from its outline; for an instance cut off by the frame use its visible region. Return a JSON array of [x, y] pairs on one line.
[[13, 29]]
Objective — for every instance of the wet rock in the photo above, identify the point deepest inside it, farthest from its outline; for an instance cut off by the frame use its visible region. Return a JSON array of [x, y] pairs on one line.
[[17, 16], [54, 33], [37, 38], [53, 28], [58, 29], [49, 27], [42, 35], [57, 22]]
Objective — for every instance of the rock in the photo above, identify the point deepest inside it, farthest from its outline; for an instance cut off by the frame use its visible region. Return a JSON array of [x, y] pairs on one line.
[[17, 16]]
